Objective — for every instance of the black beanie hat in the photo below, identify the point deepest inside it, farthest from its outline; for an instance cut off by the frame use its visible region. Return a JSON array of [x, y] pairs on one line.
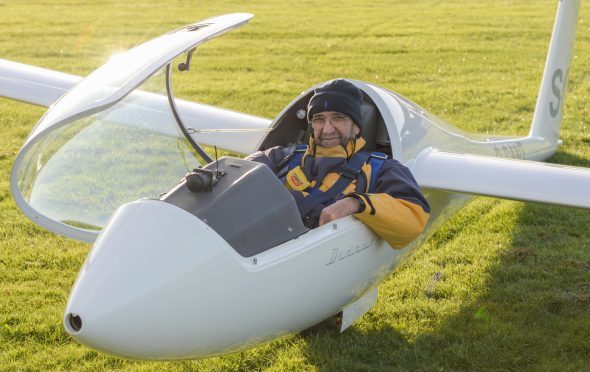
[[340, 96]]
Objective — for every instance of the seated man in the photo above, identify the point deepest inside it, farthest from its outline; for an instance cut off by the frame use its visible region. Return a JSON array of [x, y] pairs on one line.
[[334, 177]]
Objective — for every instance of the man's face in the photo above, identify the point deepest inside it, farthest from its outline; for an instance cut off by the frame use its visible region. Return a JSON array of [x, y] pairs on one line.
[[332, 128]]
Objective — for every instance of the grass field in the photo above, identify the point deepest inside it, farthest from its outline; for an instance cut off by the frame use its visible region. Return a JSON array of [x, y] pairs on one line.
[[501, 286]]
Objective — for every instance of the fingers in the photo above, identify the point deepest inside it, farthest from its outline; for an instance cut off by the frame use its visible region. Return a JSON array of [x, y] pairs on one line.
[[339, 209], [327, 216]]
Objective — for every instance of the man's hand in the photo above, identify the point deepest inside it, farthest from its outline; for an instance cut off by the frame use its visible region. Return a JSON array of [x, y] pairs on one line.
[[339, 209]]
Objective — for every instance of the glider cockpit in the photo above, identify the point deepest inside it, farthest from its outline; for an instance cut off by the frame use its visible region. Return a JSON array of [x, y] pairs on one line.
[[259, 201]]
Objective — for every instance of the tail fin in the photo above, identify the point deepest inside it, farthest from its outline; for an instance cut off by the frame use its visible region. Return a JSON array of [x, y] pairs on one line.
[[549, 108]]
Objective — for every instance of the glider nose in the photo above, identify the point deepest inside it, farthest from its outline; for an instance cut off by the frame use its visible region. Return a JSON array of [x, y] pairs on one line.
[[135, 295]]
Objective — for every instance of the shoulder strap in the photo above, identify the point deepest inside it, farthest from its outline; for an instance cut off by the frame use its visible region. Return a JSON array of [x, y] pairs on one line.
[[376, 161], [297, 157], [292, 160], [348, 173]]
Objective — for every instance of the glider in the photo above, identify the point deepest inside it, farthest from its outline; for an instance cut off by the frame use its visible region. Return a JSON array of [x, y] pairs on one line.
[[178, 272]]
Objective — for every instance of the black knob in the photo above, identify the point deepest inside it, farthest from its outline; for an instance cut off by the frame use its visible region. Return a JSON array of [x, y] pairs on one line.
[[199, 182]]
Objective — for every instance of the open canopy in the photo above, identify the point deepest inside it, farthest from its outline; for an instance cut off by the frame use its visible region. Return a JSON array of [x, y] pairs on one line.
[[111, 139]]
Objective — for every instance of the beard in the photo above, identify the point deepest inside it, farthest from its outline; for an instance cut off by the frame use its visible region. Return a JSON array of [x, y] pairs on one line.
[[331, 140], [335, 137]]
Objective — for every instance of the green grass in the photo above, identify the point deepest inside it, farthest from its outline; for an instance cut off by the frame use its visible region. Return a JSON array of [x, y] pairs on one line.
[[502, 285]]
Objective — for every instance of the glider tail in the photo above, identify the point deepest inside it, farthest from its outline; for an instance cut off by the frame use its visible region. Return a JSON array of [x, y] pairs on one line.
[[549, 107]]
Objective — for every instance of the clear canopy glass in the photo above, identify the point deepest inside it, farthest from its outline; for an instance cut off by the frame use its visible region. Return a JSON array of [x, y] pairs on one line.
[[111, 139], [80, 173]]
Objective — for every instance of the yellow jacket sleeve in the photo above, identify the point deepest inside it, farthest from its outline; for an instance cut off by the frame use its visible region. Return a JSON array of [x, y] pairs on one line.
[[397, 221]]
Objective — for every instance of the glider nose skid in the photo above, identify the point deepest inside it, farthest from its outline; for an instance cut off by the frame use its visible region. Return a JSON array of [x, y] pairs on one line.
[[145, 280]]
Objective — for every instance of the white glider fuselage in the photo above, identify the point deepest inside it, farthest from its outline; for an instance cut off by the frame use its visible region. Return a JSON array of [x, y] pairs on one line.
[[162, 283]]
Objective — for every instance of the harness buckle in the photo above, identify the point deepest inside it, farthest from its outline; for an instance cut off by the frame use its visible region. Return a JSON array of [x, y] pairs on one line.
[[379, 155], [300, 148]]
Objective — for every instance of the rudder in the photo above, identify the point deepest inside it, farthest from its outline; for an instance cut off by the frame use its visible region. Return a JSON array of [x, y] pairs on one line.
[[549, 108]]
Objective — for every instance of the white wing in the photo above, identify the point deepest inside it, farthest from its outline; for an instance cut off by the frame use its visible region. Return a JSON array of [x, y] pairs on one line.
[[504, 178], [32, 84]]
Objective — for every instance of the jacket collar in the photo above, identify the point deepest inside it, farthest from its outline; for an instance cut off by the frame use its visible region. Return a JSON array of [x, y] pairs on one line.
[[353, 146]]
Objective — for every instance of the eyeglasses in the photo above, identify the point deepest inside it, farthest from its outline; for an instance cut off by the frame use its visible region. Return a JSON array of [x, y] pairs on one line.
[[337, 121]]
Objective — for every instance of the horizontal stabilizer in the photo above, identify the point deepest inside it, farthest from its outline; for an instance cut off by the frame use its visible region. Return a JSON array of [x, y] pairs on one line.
[[504, 178]]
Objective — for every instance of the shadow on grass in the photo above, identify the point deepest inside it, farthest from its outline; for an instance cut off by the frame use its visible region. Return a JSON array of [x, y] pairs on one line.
[[535, 308], [533, 311], [565, 158], [357, 349]]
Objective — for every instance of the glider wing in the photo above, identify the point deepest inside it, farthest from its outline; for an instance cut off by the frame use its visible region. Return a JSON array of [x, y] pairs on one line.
[[504, 178]]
